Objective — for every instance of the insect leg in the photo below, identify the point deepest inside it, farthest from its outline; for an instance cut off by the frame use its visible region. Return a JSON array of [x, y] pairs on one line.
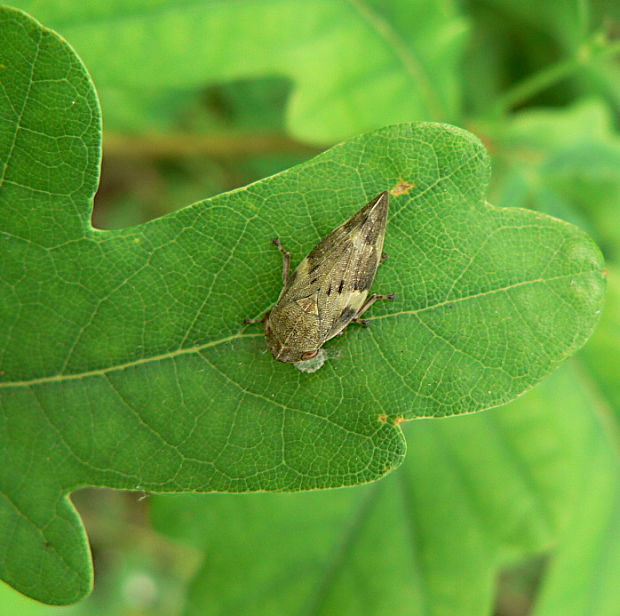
[[257, 320], [367, 304], [286, 264]]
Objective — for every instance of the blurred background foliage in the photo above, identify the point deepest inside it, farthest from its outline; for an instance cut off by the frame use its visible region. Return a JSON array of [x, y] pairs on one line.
[[512, 512]]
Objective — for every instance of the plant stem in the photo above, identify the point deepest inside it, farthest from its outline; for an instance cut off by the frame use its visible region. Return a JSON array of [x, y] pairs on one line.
[[587, 55]]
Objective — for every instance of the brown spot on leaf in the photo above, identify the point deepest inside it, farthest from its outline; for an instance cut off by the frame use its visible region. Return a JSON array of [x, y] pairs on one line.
[[402, 188], [383, 418]]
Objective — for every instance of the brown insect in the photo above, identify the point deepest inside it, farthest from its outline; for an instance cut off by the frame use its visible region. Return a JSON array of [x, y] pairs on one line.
[[329, 288]]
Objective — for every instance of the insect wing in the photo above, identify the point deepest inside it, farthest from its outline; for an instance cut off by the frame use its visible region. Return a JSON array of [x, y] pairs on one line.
[[333, 281]]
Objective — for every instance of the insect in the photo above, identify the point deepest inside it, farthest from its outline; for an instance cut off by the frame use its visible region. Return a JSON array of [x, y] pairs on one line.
[[329, 288]]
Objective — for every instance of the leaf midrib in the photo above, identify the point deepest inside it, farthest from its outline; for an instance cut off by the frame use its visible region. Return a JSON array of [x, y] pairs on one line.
[[58, 378]]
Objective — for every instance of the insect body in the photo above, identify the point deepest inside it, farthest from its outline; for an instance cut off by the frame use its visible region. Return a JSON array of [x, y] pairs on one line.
[[329, 288]]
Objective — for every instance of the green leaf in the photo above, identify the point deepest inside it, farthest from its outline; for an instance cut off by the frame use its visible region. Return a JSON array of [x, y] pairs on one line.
[[478, 493], [411, 52], [565, 163], [602, 355], [583, 575], [14, 603], [123, 360], [540, 473]]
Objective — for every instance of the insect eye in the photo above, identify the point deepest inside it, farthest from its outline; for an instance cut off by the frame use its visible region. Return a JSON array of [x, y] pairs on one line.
[[309, 355]]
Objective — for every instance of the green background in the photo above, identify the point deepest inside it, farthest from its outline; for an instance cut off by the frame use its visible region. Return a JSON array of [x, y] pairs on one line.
[[511, 511]]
